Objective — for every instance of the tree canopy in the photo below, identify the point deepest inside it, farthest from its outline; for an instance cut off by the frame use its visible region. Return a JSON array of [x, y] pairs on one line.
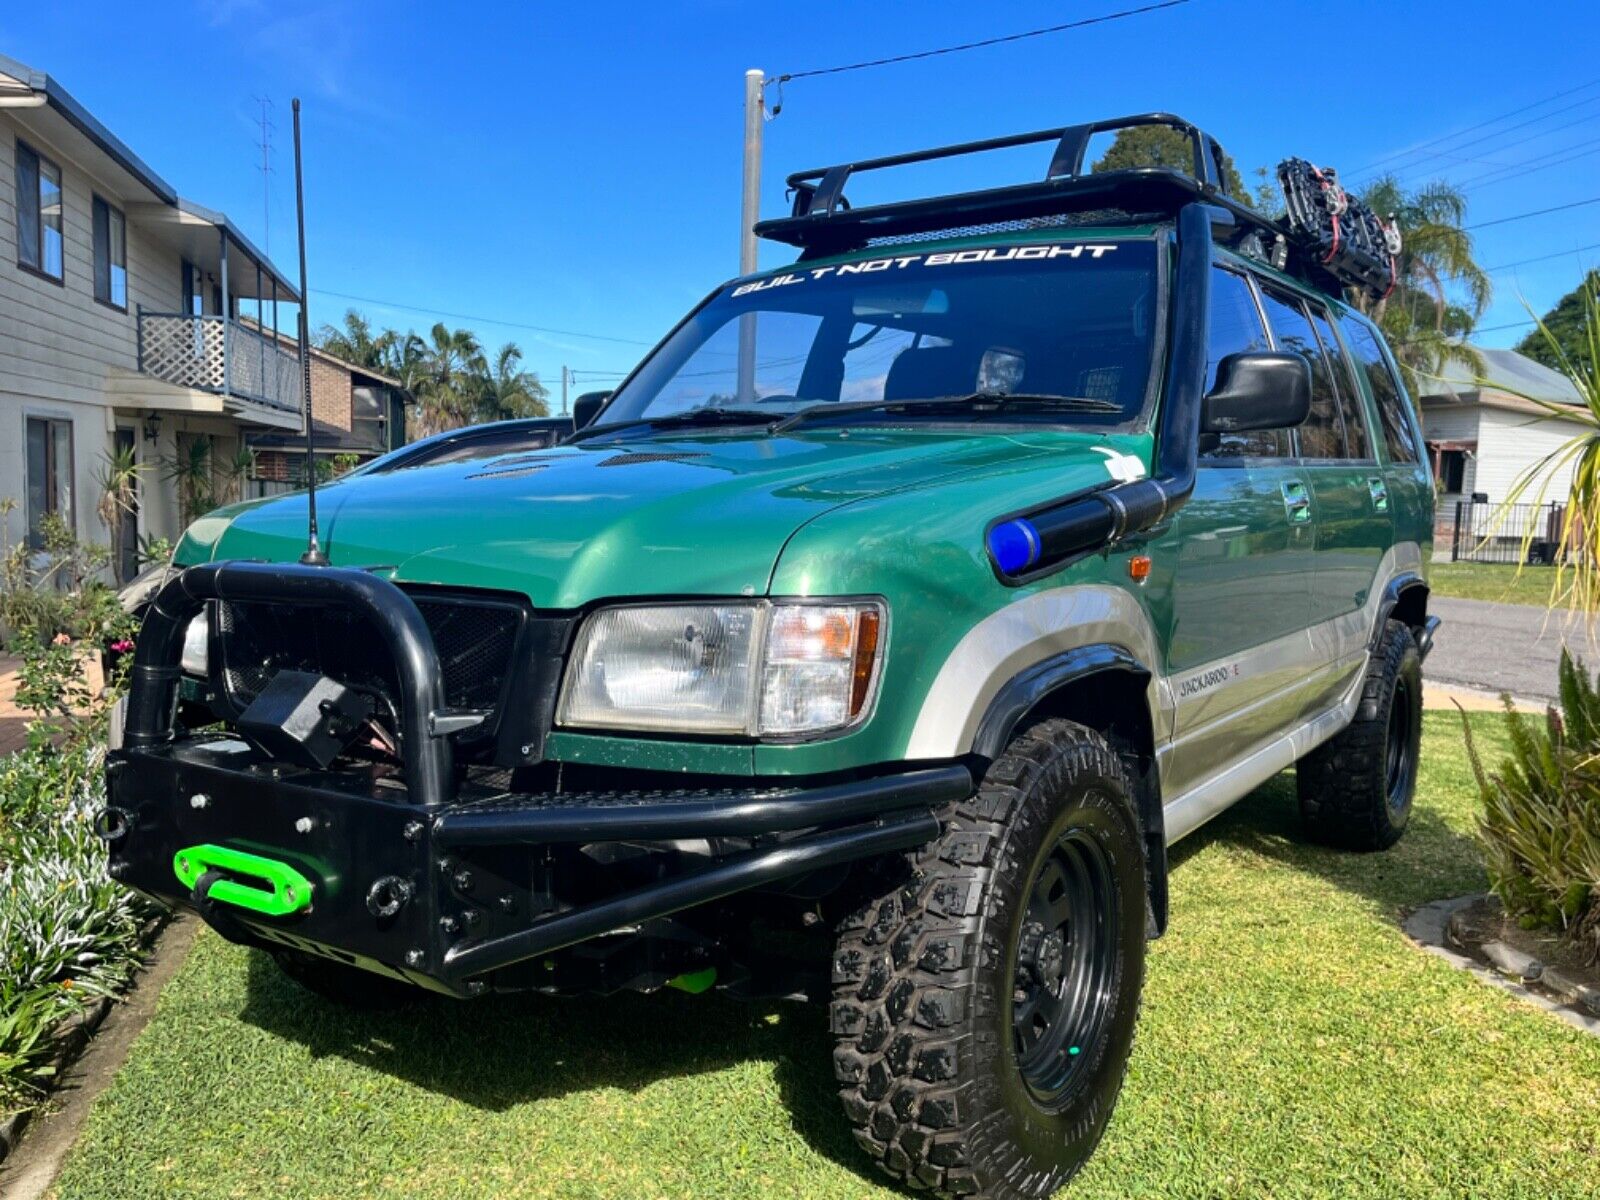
[[1162, 146], [455, 381], [1565, 325]]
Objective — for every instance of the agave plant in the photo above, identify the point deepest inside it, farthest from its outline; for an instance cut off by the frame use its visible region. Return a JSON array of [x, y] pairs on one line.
[[1577, 576], [1540, 827]]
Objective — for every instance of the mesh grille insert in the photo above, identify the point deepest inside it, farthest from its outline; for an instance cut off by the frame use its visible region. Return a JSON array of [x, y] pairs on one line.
[[475, 640]]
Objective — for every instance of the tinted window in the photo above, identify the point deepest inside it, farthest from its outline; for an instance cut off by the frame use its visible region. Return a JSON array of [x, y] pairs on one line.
[[110, 255], [1338, 368], [1235, 328], [39, 244], [1322, 434], [1398, 436]]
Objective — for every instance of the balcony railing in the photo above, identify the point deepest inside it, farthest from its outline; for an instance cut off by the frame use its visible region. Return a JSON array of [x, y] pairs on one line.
[[214, 354]]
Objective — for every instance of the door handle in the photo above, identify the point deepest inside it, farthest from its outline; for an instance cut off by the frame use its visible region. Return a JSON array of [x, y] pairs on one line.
[[1296, 502], [1380, 494]]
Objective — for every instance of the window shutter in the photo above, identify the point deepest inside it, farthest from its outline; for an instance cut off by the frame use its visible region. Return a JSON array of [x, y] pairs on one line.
[[102, 250], [27, 206]]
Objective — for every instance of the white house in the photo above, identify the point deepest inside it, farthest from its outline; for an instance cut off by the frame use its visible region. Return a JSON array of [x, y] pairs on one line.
[[1483, 436], [119, 323]]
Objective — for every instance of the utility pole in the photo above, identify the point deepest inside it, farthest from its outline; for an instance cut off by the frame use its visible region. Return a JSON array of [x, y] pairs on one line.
[[565, 375], [749, 213]]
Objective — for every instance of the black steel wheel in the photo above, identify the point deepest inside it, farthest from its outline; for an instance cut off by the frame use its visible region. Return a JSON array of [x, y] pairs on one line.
[[1065, 967], [985, 1000], [1356, 789]]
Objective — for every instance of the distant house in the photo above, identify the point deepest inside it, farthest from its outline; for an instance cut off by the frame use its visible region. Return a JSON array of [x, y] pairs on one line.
[[120, 330], [358, 414], [1482, 435]]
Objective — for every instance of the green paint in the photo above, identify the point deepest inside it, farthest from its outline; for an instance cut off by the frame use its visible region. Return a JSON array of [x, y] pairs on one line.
[[290, 891], [694, 982]]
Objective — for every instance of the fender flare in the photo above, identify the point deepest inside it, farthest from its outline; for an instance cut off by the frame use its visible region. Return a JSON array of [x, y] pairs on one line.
[[1393, 592], [1024, 691]]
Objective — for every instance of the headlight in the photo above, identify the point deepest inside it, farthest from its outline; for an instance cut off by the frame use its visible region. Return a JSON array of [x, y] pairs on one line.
[[760, 669], [196, 640]]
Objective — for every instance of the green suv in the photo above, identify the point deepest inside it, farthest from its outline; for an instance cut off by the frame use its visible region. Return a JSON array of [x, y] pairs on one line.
[[871, 644]]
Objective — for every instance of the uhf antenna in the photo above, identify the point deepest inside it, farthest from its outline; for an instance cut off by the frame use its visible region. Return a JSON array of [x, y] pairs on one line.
[[313, 556]]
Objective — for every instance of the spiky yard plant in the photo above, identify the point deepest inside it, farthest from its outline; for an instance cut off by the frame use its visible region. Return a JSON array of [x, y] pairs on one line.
[[1576, 581], [1540, 827]]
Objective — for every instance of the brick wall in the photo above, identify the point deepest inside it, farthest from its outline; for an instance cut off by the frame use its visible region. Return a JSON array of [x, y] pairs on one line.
[[330, 393]]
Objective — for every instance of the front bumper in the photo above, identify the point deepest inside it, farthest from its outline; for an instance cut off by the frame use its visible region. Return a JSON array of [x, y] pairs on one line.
[[406, 870], [456, 896]]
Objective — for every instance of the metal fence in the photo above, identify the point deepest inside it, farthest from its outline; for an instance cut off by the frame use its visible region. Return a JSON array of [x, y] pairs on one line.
[[214, 355], [1496, 533]]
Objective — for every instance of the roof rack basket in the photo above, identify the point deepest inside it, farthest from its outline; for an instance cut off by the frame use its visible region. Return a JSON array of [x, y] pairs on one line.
[[823, 222]]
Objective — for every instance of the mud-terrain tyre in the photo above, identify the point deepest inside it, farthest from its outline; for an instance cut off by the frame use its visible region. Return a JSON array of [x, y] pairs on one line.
[[985, 1001], [1356, 789], [345, 986]]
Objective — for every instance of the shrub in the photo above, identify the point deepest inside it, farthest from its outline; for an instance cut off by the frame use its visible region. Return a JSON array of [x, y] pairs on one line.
[[1540, 828], [68, 934]]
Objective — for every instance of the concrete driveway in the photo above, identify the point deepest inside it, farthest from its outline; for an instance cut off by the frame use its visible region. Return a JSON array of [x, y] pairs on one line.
[[1505, 647]]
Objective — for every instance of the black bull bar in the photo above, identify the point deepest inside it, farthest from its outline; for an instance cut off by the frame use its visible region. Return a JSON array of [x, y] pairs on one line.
[[407, 878]]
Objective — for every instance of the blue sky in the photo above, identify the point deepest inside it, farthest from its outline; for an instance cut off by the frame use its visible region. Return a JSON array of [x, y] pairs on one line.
[[577, 166]]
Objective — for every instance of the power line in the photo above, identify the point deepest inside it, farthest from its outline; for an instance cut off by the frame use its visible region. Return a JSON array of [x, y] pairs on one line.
[[1538, 212], [1473, 128], [1522, 262], [455, 316], [1539, 162], [994, 41], [1412, 166]]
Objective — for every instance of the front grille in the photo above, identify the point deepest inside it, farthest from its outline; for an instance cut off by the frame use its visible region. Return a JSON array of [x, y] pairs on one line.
[[475, 637]]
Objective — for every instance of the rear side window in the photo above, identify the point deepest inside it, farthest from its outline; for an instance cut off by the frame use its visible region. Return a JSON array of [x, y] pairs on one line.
[[1322, 434], [1235, 328], [1399, 437], [1344, 384]]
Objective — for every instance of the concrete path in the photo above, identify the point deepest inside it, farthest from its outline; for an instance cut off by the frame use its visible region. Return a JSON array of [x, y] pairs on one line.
[[1514, 648]]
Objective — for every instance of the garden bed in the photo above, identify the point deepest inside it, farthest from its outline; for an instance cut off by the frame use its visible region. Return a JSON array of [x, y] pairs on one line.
[[1535, 958], [71, 940]]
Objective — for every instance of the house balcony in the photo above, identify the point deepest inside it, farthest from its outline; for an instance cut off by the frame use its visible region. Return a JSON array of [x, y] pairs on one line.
[[220, 356]]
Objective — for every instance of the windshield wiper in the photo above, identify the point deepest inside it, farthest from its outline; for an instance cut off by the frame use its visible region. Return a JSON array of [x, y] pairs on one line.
[[997, 400], [711, 415]]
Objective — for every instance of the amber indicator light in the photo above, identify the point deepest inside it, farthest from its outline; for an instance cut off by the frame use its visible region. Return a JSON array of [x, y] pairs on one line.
[[1139, 568], [866, 657]]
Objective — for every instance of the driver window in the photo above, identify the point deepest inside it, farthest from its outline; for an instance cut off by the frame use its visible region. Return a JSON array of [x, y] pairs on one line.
[[1235, 328]]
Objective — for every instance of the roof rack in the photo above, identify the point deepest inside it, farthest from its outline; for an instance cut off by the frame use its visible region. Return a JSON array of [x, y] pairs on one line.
[[823, 222]]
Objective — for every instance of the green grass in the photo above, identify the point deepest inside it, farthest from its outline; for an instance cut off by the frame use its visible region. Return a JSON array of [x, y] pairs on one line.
[[1483, 581], [1292, 1044]]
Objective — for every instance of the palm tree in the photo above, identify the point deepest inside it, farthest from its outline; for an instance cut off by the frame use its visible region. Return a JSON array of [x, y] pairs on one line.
[[450, 368], [509, 391], [355, 343], [1441, 291]]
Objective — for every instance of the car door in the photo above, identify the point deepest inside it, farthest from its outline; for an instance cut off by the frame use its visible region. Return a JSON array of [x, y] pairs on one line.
[[1239, 605], [1405, 470], [1349, 494]]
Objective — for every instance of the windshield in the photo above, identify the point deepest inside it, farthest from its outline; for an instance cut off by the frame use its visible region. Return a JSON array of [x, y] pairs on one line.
[[1039, 325]]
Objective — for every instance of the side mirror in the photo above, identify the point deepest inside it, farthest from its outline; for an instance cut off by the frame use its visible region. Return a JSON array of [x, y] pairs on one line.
[[587, 407], [1263, 390]]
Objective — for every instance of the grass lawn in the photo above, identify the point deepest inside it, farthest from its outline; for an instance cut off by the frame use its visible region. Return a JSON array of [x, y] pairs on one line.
[[1292, 1044], [1485, 581]]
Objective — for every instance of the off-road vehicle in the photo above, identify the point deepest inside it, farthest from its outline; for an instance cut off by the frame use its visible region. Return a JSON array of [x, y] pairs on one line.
[[871, 644]]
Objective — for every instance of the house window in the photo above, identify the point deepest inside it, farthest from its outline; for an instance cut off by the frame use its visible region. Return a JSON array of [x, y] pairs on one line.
[[110, 255], [49, 482], [1453, 470], [39, 246]]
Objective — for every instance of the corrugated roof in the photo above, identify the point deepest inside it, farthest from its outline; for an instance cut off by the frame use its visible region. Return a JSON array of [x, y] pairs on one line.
[[1505, 371]]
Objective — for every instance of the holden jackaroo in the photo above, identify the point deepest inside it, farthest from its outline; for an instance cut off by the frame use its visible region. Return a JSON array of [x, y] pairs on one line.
[[870, 644]]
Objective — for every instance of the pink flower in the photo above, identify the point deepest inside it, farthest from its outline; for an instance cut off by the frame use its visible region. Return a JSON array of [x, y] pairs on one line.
[[122, 645], [61, 639]]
